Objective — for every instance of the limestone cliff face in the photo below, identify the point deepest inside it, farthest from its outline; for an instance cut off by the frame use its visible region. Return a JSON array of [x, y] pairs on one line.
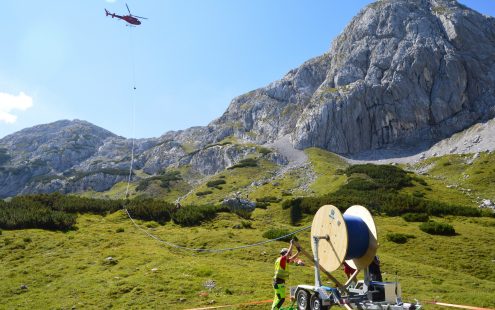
[[403, 72]]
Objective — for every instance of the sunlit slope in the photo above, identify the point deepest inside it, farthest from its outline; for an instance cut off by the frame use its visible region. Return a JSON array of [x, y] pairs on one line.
[[62, 270]]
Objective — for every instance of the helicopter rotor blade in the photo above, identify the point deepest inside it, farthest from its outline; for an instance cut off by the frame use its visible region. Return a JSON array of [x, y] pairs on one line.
[[128, 9]]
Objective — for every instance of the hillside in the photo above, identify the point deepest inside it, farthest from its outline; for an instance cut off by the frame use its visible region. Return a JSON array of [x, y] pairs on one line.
[[67, 270], [455, 269]]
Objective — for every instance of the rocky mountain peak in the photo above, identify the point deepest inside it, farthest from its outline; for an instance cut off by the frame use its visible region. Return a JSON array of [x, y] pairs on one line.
[[403, 72]]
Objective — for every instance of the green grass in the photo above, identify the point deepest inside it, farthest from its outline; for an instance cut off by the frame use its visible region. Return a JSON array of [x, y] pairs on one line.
[[429, 267], [236, 180], [452, 178], [69, 269], [327, 167]]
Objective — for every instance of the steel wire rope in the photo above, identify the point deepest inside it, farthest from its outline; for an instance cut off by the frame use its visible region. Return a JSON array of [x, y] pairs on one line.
[[129, 178], [133, 117]]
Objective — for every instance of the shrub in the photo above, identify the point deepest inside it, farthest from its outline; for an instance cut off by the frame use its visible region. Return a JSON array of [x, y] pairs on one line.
[[274, 233], [204, 193], [435, 228], [487, 213], [415, 217], [441, 209], [398, 237], [151, 210], [215, 183], [286, 204], [295, 214], [385, 176], [16, 215], [194, 215], [248, 162], [377, 187], [70, 204]]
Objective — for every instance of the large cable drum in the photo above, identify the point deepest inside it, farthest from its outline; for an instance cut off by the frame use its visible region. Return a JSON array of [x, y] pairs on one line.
[[351, 238]]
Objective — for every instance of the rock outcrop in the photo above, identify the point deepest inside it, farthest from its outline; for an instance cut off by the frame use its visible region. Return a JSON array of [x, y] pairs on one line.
[[76, 156]]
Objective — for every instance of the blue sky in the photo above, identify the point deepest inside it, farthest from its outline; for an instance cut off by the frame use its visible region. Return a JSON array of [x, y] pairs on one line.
[[66, 60]]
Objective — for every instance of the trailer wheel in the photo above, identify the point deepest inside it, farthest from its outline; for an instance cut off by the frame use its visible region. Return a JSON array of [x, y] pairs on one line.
[[316, 303], [302, 299]]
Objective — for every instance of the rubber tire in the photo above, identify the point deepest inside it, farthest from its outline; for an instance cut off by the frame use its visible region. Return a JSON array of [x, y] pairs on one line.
[[316, 303], [302, 300]]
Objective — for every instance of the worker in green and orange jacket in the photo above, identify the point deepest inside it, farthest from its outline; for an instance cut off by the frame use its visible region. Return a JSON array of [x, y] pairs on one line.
[[282, 275]]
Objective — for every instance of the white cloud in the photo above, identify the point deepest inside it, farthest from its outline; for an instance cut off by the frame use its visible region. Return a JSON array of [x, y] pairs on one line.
[[9, 102]]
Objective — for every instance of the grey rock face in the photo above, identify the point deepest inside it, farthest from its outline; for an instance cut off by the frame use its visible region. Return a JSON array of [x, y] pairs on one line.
[[401, 73], [65, 156], [76, 156]]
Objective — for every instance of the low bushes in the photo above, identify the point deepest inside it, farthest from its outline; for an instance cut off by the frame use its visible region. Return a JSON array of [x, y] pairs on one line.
[[415, 217], [377, 188], [34, 215], [204, 193], [436, 228], [58, 212], [70, 204], [192, 215], [296, 214], [151, 210], [248, 162], [215, 183], [398, 237]]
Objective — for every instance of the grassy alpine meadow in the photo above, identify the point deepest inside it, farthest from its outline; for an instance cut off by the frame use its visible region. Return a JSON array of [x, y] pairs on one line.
[[62, 270], [103, 261]]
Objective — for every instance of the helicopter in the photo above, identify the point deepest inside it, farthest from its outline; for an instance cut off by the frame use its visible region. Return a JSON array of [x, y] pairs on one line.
[[131, 19]]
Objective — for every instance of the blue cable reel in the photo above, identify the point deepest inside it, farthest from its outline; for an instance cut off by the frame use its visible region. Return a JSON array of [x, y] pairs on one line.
[[352, 237]]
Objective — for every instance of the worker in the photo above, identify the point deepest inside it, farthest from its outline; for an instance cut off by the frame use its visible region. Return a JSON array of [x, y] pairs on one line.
[[374, 270], [282, 275]]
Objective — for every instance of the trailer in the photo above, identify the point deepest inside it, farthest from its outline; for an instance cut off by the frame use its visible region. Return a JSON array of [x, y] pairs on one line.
[[352, 238]]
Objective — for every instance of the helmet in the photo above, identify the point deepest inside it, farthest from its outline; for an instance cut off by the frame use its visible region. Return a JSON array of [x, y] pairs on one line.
[[284, 251]]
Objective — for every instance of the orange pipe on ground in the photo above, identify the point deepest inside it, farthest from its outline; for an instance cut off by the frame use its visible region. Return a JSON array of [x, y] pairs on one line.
[[456, 306], [228, 306]]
